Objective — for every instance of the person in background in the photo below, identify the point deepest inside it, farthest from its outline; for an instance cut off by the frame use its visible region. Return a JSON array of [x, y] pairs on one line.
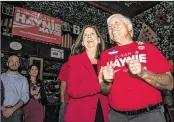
[[64, 97], [16, 92], [2, 97], [86, 103], [34, 109], [141, 71]]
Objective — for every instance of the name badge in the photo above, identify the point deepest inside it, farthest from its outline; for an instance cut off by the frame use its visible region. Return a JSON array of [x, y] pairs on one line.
[[113, 52]]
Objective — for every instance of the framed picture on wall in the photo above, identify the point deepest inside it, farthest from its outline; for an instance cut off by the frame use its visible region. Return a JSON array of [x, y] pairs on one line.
[[39, 63]]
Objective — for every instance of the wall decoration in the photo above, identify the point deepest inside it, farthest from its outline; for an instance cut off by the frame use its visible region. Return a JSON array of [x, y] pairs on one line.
[[165, 33], [37, 26], [15, 45], [7, 12], [161, 18], [67, 40], [57, 53], [7, 9], [147, 35], [76, 12]]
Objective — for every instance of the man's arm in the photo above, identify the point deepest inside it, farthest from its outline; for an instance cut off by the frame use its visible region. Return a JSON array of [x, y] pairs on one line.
[[8, 111], [2, 108], [25, 91], [24, 95], [18, 105], [62, 90], [158, 80]]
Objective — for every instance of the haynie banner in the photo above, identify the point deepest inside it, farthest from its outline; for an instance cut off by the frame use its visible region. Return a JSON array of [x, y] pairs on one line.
[[37, 26]]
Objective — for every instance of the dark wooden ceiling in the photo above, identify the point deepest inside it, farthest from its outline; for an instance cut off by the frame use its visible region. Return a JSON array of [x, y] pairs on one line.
[[128, 8]]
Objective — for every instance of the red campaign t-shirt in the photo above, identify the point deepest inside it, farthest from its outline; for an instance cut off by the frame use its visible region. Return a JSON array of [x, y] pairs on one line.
[[63, 76], [129, 92]]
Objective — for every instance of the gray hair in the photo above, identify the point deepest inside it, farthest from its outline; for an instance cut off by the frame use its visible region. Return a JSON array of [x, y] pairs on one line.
[[125, 19]]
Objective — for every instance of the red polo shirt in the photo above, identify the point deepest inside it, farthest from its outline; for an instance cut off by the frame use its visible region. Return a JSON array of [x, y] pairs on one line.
[[129, 92], [63, 76]]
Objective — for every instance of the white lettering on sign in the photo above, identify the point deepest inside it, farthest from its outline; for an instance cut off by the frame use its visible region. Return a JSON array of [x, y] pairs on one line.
[[76, 29], [57, 53], [45, 26]]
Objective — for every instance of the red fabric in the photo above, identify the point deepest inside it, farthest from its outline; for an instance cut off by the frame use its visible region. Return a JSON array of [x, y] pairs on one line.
[[129, 92], [63, 76], [84, 88], [33, 111]]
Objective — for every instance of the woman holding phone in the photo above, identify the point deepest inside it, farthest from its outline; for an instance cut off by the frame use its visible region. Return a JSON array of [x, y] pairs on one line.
[[34, 109]]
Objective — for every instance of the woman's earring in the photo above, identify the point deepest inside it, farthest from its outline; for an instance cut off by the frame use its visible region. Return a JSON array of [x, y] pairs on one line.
[[99, 41], [82, 44]]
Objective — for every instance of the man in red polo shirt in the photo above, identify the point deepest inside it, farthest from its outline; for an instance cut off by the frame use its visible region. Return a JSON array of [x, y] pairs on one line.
[[64, 97], [141, 71]]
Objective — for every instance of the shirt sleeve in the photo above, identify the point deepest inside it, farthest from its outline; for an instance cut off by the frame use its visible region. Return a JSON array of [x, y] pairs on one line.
[[25, 91], [158, 62], [63, 74], [2, 92]]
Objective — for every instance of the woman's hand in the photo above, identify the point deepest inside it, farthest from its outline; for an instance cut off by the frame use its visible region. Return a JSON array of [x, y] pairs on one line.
[[37, 96], [33, 92]]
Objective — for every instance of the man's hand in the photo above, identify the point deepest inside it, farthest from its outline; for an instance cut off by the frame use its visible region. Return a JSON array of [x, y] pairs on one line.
[[8, 112], [108, 73], [134, 66], [106, 76], [2, 108]]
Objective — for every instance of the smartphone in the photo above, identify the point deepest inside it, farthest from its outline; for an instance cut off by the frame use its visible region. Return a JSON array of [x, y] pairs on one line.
[[37, 89]]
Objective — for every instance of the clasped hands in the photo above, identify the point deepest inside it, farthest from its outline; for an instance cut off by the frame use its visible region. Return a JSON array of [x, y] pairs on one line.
[[7, 111], [106, 73]]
